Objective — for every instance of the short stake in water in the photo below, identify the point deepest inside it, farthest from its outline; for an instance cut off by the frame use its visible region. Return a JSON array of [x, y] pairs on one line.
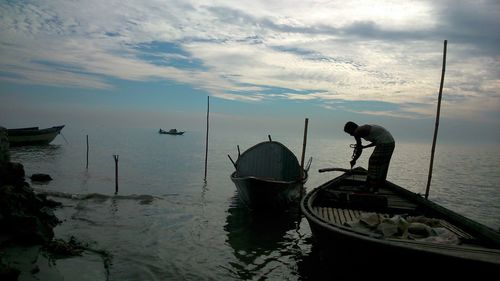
[[116, 173]]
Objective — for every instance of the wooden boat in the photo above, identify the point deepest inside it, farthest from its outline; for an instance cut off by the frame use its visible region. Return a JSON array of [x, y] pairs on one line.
[[170, 132], [268, 176], [397, 228], [33, 135]]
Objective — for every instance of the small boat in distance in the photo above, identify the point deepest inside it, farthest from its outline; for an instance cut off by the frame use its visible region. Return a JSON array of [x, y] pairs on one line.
[[268, 176], [33, 135], [171, 132], [396, 228]]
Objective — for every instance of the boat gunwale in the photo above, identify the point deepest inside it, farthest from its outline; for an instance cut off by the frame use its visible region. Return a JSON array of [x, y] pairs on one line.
[[270, 180], [33, 131]]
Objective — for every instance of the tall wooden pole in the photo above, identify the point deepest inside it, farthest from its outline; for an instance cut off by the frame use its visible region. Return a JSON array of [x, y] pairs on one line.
[[206, 138], [87, 152], [437, 121]]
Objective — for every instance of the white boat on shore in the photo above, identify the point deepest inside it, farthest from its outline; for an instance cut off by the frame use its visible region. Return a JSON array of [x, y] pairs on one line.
[[33, 135]]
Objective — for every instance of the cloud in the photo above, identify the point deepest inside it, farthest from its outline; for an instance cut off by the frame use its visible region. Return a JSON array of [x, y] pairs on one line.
[[388, 51], [471, 23]]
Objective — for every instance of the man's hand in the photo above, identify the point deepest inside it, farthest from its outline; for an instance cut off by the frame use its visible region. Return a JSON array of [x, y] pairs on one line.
[[358, 148]]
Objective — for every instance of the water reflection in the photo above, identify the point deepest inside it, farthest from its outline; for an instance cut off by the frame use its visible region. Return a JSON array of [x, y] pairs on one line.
[[314, 265], [35, 158], [30, 151], [262, 243]]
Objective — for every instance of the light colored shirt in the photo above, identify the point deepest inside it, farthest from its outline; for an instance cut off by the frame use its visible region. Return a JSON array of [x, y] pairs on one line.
[[379, 134]]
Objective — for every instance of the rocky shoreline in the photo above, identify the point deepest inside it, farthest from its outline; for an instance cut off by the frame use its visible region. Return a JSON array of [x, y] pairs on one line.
[[26, 218], [28, 249]]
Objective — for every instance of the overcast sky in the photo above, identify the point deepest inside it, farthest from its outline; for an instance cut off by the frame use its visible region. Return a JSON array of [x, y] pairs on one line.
[[281, 61]]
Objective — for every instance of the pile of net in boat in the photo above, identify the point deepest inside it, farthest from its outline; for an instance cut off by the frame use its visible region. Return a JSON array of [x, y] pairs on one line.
[[404, 227]]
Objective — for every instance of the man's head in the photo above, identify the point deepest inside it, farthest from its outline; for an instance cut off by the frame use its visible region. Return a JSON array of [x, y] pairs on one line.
[[350, 127]]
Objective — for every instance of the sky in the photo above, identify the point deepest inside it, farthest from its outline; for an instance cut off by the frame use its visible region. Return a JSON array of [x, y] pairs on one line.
[[266, 65]]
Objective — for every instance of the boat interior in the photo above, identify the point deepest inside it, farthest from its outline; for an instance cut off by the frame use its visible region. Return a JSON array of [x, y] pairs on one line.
[[343, 203]]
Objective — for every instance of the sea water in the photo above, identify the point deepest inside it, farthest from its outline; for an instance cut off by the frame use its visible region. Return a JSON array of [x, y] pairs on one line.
[[167, 223]]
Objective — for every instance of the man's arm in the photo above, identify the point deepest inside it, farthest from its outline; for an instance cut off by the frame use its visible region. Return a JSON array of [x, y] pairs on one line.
[[363, 131], [369, 145], [358, 149]]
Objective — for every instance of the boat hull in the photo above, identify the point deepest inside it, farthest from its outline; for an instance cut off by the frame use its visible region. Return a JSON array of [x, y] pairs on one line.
[[167, 133], [259, 193], [170, 132], [344, 250], [33, 136], [268, 176], [341, 244]]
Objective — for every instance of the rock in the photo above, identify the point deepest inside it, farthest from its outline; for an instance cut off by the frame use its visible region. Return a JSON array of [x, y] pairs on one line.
[[26, 220], [40, 177], [8, 273], [25, 216], [59, 248], [12, 174], [4, 147]]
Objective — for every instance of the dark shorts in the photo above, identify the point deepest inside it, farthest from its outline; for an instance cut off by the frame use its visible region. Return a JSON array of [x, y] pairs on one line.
[[378, 165]]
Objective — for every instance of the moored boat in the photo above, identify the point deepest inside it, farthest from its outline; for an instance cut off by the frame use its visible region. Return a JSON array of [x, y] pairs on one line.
[[397, 228], [33, 135], [268, 176]]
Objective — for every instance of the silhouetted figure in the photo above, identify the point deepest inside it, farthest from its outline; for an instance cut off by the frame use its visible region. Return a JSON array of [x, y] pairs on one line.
[[378, 164]]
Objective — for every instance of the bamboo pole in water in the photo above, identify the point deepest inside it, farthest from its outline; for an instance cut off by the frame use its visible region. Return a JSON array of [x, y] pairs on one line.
[[437, 121], [87, 166], [206, 138], [116, 173]]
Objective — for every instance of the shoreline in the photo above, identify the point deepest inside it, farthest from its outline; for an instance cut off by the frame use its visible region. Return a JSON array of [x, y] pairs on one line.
[[28, 247]]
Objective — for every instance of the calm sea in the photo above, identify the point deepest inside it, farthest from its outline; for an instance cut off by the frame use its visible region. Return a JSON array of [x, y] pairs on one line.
[[168, 224]]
